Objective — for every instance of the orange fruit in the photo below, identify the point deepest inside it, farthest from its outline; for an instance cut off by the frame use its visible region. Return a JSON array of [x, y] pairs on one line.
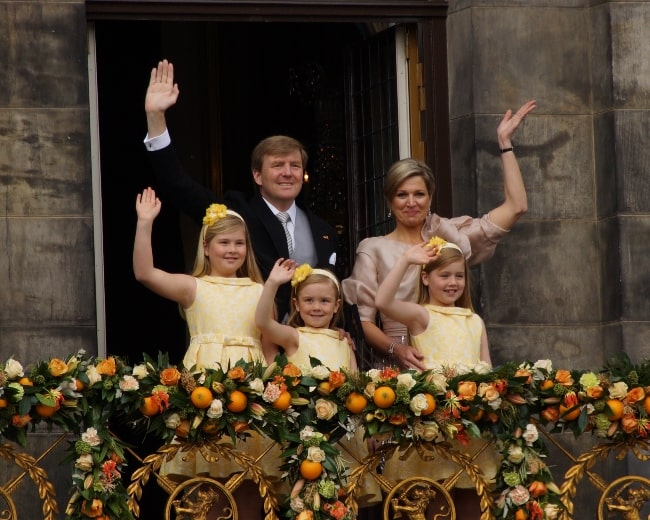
[[281, 403], [384, 396], [476, 417], [3, 402], [431, 405], [547, 384], [80, 385], [201, 397], [324, 388], [310, 470], [25, 381], [355, 402], [237, 401], [616, 408], [149, 407], [567, 415], [46, 411]]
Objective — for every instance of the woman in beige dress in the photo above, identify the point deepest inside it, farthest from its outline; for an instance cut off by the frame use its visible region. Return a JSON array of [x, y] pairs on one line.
[[409, 189]]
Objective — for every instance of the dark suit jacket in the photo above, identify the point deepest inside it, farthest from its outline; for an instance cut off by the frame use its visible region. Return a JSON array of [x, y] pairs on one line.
[[266, 232]]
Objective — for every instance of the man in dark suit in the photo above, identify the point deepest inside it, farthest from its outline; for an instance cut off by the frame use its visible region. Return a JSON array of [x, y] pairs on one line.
[[279, 226]]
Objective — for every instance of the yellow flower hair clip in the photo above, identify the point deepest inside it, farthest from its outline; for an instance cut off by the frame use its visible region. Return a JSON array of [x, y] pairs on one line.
[[300, 274], [214, 213], [436, 243]]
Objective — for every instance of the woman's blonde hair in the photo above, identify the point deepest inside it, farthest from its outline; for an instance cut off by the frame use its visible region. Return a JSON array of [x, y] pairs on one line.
[[295, 320], [228, 224], [447, 256], [405, 169]]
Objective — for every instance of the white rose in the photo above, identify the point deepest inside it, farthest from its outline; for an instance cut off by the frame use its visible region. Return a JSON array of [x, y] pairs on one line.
[[482, 368], [418, 403], [543, 364], [140, 371], [462, 368], [618, 390], [405, 380], [173, 421], [129, 384], [320, 372], [93, 375], [439, 380], [531, 434], [91, 437], [257, 386], [325, 409], [14, 369], [306, 433], [551, 511], [216, 409], [84, 462], [316, 454], [515, 454], [373, 374]]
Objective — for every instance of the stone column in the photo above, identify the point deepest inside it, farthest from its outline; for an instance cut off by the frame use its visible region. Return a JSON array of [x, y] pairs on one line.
[[47, 280], [570, 282]]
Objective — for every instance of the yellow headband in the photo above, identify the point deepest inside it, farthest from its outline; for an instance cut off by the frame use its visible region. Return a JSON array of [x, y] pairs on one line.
[[303, 271]]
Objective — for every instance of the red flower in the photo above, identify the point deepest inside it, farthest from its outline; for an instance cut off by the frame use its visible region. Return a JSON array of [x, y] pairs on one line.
[[336, 510]]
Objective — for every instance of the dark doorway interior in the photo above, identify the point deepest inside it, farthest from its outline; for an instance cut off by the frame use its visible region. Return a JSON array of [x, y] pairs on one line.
[[239, 83]]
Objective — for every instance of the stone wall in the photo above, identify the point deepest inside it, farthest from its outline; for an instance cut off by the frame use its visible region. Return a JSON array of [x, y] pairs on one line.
[[571, 281], [47, 277]]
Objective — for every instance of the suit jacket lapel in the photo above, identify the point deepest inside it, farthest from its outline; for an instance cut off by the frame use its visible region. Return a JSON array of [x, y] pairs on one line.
[[271, 224]]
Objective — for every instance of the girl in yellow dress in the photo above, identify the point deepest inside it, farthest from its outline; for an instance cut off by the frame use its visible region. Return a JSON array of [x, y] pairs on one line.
[[444, 328], [310, 332], [218, 301]]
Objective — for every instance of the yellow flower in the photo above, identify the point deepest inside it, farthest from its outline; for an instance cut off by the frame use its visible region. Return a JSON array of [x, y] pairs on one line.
[[436, 242], [214, 213], [300, 274], [107, 367], [57, 367]]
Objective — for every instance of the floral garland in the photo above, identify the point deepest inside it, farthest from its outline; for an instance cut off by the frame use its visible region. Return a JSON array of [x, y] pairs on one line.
[[308, 409]]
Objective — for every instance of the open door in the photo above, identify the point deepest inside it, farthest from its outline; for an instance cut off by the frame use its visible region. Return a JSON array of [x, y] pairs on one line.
[[240, 82]]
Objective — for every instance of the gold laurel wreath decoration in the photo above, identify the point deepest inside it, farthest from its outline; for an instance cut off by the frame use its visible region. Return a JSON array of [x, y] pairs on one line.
[[473, 472], [252, 470], [46, 491], [152, 463], [444, 449], [576, 472]]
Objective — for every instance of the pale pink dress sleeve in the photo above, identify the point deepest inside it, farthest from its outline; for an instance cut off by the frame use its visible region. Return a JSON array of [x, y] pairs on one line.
[[477, 237], [375, 257]]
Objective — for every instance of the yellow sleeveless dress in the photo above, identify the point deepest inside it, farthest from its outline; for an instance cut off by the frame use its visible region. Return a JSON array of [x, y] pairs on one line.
[[221, 323], [335, 353], [453, 336]]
